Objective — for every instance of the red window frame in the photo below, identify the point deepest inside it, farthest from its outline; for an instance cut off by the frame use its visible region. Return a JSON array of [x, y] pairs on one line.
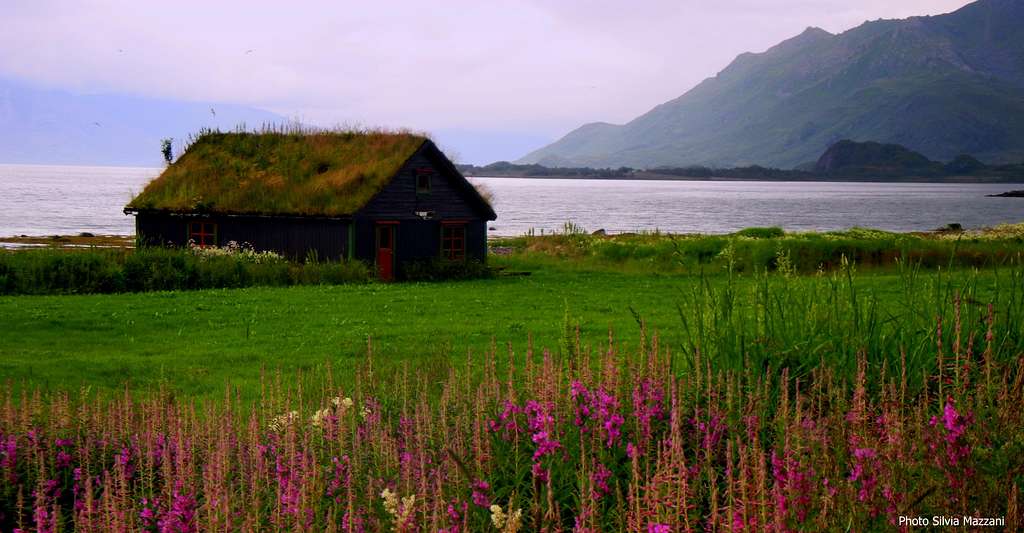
[[453, 241], [202, 233]]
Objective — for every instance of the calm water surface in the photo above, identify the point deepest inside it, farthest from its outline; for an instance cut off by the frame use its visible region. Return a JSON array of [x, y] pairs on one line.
[[51, 200]]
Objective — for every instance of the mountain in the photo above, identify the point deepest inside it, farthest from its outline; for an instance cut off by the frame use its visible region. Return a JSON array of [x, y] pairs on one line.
[[44, 126], [942, 86]]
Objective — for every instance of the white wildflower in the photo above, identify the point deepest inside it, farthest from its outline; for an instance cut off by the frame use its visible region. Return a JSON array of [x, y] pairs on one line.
[[400, 512], [281, 422], [320, 416], [408, 503], [506, 522], [497, 517], [345, 403], [243, 251], [390, 502]]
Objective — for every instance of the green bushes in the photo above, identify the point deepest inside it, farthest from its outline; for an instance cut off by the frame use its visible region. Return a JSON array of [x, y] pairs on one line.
[[437, 270], [51, 271], [759, 249], [761, 233]]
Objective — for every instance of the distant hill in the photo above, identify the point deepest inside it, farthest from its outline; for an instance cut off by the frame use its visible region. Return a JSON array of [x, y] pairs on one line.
[[873, 158], [941, 86], [849, 159], [41, 126], [845, 160]]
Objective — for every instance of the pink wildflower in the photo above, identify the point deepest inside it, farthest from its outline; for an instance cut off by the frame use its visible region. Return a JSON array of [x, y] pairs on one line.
[[480, 497], [600, 480]]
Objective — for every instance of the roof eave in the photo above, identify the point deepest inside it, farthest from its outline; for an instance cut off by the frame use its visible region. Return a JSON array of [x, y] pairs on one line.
[[185, 213]]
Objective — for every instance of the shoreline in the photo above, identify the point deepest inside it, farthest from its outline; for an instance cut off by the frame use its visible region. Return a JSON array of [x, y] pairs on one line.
[[666, 177], [22, 242]]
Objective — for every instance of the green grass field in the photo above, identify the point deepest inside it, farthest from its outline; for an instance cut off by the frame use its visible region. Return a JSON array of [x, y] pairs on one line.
[[196, 342], [808, 382], [199, 340]]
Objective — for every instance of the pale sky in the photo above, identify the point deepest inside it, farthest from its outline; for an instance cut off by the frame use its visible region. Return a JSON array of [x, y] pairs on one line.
[[531, 68]]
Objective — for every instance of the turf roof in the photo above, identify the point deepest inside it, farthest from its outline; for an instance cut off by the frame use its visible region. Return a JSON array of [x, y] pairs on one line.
[[294, 173]]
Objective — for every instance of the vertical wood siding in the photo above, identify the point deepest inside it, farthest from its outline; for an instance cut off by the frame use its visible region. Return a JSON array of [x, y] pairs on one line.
[[294, 238]]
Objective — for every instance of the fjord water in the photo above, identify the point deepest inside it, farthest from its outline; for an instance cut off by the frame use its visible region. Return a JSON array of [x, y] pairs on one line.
[[60, 200]]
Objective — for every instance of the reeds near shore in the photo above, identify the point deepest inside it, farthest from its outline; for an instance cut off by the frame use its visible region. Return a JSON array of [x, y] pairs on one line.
[[771, 249], [579, 439]]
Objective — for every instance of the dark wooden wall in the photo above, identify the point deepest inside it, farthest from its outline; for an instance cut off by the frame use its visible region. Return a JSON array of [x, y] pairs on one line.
[[399, 200], [415, 238], [291, 237], [418, 240]]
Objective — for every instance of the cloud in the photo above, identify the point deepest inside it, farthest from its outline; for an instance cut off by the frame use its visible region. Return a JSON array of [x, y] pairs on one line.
[[534, 66]]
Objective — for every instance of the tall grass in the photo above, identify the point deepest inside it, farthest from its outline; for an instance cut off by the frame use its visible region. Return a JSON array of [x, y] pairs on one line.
[[759, 249], [585, 439], [52, 271], [777, 322]]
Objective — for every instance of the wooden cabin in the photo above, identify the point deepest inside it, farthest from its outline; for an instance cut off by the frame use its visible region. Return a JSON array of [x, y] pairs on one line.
[[383, 198]]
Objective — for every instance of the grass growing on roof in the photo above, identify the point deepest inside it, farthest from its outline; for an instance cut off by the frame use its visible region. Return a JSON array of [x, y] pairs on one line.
[[327, 173]]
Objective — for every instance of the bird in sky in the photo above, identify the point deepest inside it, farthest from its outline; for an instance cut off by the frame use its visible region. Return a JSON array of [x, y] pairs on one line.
[[212, 112], [96, 124]]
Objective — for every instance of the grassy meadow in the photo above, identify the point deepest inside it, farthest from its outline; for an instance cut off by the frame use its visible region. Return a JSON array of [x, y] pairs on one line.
[[755, 382]]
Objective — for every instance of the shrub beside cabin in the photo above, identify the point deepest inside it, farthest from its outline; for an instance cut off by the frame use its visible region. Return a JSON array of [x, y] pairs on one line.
[[384, 198]]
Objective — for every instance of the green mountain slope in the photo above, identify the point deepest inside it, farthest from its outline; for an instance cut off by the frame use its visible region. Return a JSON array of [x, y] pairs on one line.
[[942, 86]]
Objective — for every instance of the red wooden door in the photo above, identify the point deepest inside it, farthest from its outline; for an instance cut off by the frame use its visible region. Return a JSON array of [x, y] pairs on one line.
[[386, 252]]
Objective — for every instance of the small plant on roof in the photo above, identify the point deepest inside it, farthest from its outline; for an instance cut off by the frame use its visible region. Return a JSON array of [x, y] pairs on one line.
[[167, 150]]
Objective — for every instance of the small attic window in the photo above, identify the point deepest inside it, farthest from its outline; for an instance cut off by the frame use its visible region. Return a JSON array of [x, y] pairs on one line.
[[423, 180]]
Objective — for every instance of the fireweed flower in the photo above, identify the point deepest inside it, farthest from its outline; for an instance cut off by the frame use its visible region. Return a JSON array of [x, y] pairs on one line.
[[658, 528], [456, 511], [342, 477], [181, 516], [600, 406], [539, 472], [479, 497], [948, 443], [711, 430], [865, 466], [506, 422], [791, 478], [648, 405], [149, 512], [63, 458], [124, 460], [600, 479], [9, 456], [540, 423]]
